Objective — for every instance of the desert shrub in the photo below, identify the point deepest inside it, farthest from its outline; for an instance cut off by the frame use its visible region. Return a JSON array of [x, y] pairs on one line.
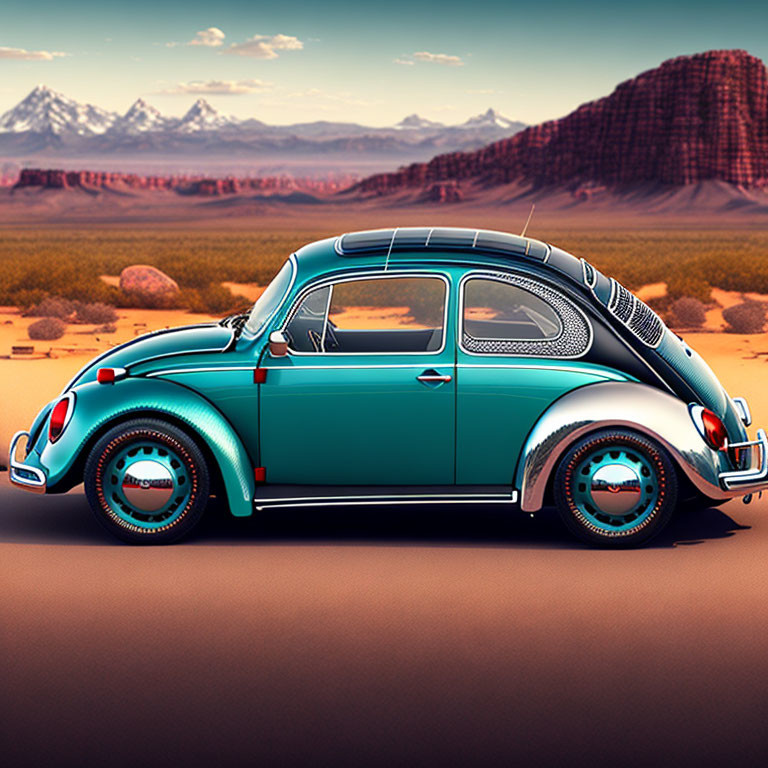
[[26, 298], [109, 328], [748, 317], [47, 329], [53, 306], [213, 299], [690, 286], [688, 312], [95, 312]]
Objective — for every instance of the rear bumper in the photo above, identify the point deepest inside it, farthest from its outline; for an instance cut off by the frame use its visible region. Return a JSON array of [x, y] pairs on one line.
[[755, 478], [25, 475]]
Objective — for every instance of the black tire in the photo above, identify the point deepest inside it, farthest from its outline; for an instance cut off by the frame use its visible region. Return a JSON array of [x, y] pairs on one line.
[[176, 454], [577, 485]]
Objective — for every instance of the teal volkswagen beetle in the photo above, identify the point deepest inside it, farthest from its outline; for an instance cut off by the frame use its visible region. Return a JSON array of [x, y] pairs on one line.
[[410, 365]]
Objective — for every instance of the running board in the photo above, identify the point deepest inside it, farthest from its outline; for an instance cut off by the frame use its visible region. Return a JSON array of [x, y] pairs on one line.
[[319, 496]]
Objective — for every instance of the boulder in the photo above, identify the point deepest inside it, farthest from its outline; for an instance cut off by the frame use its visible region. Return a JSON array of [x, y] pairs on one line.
[[148, 286]]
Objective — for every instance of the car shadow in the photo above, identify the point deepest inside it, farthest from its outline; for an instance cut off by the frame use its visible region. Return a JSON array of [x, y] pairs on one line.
[[66, 520]]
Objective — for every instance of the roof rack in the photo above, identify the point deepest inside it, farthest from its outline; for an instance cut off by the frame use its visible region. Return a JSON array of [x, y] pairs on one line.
[[439, 239]]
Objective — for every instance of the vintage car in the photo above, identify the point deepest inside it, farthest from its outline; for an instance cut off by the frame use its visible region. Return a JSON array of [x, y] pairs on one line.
[[410, 365]]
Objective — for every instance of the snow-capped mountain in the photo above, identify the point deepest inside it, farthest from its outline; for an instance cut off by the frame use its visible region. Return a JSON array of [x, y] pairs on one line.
[[47, 121], [491, 118], [415, 122], [201, 116], [141, 118], [46, 111]]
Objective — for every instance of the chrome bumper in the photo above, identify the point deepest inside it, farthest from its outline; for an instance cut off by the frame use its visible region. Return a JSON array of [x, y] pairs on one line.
[[753, 479], [23, 475]]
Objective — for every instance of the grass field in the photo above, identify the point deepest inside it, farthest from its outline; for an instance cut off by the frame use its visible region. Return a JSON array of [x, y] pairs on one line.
[[69, 262]]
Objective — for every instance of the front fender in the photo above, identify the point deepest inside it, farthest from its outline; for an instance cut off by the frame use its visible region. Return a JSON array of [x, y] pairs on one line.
[[639, 407], [98, 404]]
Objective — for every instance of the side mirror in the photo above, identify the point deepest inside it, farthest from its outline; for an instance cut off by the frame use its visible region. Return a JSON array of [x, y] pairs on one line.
[[278, 344]]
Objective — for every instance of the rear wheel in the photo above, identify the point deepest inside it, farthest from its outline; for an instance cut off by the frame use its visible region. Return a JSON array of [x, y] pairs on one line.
[[615, 488], [147, 482]]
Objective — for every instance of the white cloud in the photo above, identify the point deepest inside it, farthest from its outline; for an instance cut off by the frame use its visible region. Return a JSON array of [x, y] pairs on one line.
[[439, 58], [25, 55], [406, 62], [219, 87], [212, 37], [265, 46]]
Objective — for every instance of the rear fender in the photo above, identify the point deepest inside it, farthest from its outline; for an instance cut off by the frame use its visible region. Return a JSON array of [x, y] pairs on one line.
[[98, 406], [639, 407]]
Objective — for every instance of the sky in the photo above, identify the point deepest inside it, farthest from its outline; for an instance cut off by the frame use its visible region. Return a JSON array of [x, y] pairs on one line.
[[372, 63]]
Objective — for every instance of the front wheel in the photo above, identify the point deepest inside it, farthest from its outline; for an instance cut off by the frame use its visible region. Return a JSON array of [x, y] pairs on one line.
[[147, 482], [615, 488]]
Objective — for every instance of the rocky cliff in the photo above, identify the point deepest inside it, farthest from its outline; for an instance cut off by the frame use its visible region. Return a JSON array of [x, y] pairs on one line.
[[188, 185], [694, 118]]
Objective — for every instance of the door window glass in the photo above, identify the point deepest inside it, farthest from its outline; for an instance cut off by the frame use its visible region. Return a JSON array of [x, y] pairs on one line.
[[376, 315]]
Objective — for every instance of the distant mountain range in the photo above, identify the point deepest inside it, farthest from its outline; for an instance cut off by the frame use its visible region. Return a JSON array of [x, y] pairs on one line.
[[49, 123], [700, 119]]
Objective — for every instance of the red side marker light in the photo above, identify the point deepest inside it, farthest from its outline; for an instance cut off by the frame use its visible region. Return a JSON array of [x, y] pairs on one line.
[[259, 375], [714, 430], [260, 474], [105, 375]]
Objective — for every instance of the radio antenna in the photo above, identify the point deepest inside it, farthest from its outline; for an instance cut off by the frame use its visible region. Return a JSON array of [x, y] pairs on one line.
[[528, 220]]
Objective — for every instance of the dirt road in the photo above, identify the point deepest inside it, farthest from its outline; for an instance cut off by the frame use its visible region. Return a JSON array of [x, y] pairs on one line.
[[384, 637]]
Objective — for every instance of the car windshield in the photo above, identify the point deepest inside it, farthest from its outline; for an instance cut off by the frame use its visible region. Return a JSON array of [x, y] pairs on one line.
[[270, 300]]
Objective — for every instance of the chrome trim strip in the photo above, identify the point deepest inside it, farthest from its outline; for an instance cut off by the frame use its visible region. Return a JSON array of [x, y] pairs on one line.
[[355, 277], [386, 260], [608, 375], [202, 369], [743, 410], [334, 501], [525, 366], [39, 483]]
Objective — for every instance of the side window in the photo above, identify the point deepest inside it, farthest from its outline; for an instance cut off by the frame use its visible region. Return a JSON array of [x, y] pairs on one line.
[[375, 315], [515, 315], [499, 310]]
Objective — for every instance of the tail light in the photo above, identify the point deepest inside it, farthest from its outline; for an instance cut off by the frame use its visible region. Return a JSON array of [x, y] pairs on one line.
[[60, 416], [710, 427]]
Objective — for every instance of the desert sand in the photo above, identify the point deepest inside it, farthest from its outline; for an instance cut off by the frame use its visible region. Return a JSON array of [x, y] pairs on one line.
[[465, 636]]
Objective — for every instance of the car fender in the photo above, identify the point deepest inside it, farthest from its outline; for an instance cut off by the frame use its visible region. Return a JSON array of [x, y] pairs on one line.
[[640, 407], [97, 406]]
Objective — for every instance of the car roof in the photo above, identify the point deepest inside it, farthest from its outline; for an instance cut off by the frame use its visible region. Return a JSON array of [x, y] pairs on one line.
[[370, 249], [449, 239]]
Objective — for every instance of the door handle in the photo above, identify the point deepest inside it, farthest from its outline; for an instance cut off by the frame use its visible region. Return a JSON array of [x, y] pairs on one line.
[[434, 377]]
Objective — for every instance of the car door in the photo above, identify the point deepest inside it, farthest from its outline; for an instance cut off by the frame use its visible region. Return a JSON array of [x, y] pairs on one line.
[[366, 395], [520, 341]]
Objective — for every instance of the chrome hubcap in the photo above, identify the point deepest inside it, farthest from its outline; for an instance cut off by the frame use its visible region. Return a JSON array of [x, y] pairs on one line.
[[148, 485], [615, 489]]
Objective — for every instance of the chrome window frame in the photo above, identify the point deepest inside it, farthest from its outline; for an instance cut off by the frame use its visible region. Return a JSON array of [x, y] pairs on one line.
[[494, 275], [354, 277]]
